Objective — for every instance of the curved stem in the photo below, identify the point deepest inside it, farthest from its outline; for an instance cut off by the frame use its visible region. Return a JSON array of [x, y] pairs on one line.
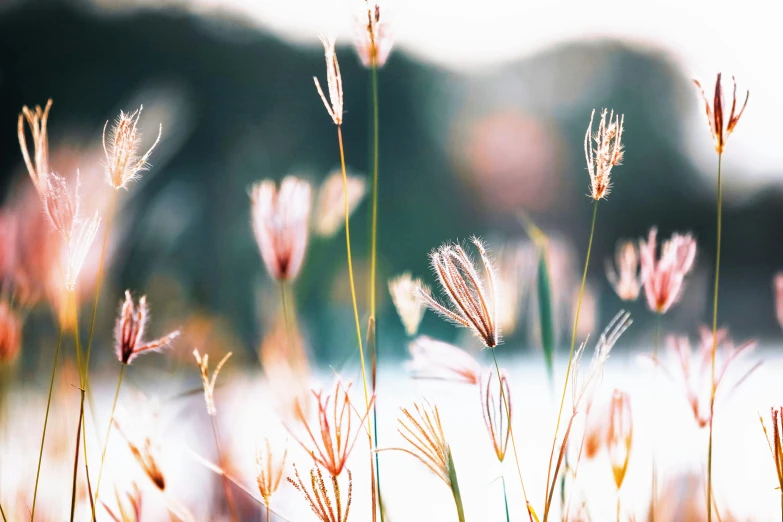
[[108, 432], [714, 338], [46, 420], [353, 299], [570, 360], [510, 428]]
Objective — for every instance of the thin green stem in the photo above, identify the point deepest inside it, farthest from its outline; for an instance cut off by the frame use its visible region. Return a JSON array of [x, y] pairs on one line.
[[714, 338], [46, 420], [76, 455], [510, 427], [570, 359], [353, 299], [455, 487], [108, 432], [505, 497], [656, 349]]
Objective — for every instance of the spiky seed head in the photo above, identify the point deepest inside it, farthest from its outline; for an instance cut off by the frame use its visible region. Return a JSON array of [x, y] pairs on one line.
[[619, 437], [603, 150], [406, 301], [497, 410], [373, 40], [720, 126], [209, 383], [123, 162], [130, 327], [38, 165], [664, 276], [432, 359], [334, 81], [624, 274]]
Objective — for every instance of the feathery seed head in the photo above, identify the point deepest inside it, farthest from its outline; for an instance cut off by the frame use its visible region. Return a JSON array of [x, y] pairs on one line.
[[424, 432], [776, 441], [38, 166], [408, 305], [330, 205], [324, 507], [619, 436], [472, 305], [280, 220], [720, 127], [123, 162], [433, 359], [209, 384], [335, 437], [583, 386], [129, 330], [603, 150], [146, 451], [334, 81], [625, 279], [497, 419], [373, 40], [664, 276], [268, 472]]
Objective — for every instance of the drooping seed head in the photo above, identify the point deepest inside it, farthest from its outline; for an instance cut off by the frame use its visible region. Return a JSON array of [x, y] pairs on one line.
[[280, 220], [603, 150], [473, 301], [496, 417], [373, 40], [720, 126], [424, 432], [38, 166], [129, 331], [431, 359], [406, 301], [625, 278], [123, 162], [664, 276], [334, 81], [619, 436], [327, 508]]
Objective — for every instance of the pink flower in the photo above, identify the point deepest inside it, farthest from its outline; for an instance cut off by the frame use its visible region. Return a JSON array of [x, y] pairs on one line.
[[664, 277]]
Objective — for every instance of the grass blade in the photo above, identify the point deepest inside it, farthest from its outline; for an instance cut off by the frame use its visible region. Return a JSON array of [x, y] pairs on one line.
[[546, 321], [455, 488]]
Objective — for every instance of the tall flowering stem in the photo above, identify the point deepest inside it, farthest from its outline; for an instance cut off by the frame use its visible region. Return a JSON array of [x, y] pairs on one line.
[[571, 353], [507, 407], [720, 128]]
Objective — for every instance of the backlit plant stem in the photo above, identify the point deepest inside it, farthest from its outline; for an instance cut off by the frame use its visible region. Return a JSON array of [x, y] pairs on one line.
[[222, 463], [505, 497], [76, 455], [547, 499], [510, 429], [46, 420], [108, 432], [355, 306], [656, 348], [714, 339]]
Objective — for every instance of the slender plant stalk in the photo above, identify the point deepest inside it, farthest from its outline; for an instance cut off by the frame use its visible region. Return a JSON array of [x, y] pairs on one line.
[[510, 428], [455, 488], [656, 349], [267, 514], [560, 458], [3, 512], [618, 506], [570, 360], [505, 497], [108, 432], [714, 339], [46, 420], [76, 455], [355, 307], [221, 463]]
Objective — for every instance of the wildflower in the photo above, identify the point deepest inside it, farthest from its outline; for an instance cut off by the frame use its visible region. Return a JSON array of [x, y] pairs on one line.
[[496, 417], [268, 473], [425, 435], [779, 298], [130, 511], [373, 41], [664, 277], [626, 280], [473, 307], [776, 442], [123, 162], [583, 386], [334, 81], [409, 307], [716, 110], [607, 153], [280, 221], [330, 206], [438, 360], [129, 330], [318, 498], [63, 209], [693, 370], [620, 435], [209, 384], [10, 333], [337, 438], [146, 454], [38, 167]]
